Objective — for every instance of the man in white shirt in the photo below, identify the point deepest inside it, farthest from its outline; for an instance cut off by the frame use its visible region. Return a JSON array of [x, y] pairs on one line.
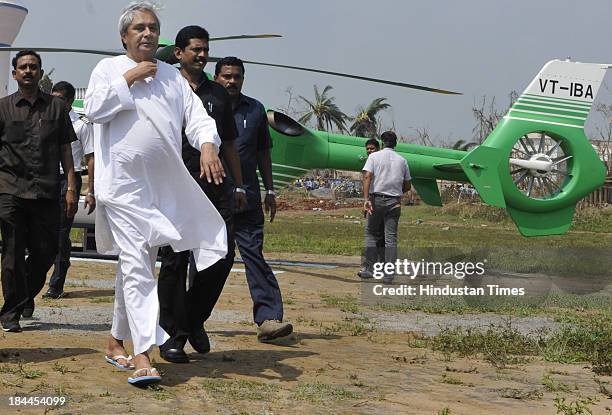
[[82, 147], [386, 179], [139, 106]]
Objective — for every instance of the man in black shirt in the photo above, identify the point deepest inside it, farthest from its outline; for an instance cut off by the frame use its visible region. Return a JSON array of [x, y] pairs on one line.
[[182, 314], [35, 134]]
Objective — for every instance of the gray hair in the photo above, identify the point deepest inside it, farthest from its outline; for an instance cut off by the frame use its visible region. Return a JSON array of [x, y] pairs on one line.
[[127, 16]]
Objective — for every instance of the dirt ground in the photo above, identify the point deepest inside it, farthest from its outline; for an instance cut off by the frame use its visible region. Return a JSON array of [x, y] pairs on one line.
[[336, 362]]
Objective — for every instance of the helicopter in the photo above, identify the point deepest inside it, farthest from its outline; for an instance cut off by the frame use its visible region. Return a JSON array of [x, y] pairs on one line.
[[537, 163]]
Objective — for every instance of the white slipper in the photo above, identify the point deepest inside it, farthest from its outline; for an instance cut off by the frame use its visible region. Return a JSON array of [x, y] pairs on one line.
[[113, 361]]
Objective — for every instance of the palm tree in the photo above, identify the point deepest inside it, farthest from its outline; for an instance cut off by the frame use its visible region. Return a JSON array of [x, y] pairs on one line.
[[463, 145], [324, 110], [365, 123]]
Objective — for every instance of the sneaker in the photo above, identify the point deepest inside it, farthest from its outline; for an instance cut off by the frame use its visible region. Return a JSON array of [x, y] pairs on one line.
[[11, 326], [273, 329], [365, 274], [54, 294], [28, 310]]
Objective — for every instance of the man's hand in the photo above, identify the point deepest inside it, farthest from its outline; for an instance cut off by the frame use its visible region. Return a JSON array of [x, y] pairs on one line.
[[210, 164], [367, 206], [140, 72], [270, 206], [240, 201], [90, 200], [72, 203]]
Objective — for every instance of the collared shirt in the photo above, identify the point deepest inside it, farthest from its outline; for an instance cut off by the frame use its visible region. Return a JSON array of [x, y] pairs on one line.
[[252, 137], [84, 143], [218, 105], [389, 172], [31, 136], [140, 175]]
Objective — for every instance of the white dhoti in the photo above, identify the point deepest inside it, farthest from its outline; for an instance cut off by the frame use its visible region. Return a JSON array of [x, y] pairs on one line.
[[136, 304]]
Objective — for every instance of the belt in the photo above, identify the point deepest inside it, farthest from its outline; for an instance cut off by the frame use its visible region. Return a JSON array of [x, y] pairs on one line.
[[383, 195]]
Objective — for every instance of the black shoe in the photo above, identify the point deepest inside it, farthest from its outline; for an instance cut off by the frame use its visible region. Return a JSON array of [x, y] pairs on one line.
[[11, 326], [53, 293], [173, 353], [199, 341], [28, 310]]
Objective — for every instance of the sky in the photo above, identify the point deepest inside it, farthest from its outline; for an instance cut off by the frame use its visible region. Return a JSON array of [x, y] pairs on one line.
[[477, 47]]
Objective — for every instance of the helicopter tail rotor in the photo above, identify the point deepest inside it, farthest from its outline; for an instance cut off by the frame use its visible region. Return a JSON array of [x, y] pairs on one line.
[[537, 162]]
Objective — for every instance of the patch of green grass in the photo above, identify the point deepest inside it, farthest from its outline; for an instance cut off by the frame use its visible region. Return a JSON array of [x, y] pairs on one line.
[[552, 385], [444, 411], [352, 327], [500, 345], [237, 389], [21, 371], [58, 367], [580, 406], [451, 380], [161, 394], [348, 304], [587, 340], [321, 392]]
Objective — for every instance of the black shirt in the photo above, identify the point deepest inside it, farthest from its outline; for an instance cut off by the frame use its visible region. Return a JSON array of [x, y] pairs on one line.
[[31, 136], [218, 105], [252, 137]]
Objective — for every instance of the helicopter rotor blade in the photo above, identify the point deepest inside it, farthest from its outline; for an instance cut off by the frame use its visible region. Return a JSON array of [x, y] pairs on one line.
[[261, 36], [73, 50], [344, 75]]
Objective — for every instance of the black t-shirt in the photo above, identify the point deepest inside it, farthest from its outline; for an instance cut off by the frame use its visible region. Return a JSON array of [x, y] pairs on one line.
[[31, 136], [218, 105]]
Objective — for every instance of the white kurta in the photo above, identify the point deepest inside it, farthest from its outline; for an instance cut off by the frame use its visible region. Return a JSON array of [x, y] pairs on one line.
[[139, 169]]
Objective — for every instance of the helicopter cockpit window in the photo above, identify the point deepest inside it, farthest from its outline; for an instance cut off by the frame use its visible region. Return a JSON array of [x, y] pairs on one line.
[[284, 124]]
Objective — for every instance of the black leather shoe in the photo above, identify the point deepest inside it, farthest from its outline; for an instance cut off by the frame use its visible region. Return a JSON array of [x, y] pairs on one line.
[[28, 310], [199, 341], [174, 355], [54, 294], [11, 326]]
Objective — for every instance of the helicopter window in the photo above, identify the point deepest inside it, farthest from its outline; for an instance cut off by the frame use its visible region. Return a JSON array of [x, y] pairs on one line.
[[284, 124]]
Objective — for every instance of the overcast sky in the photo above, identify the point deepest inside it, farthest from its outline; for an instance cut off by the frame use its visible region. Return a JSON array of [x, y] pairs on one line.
[[482, 47]]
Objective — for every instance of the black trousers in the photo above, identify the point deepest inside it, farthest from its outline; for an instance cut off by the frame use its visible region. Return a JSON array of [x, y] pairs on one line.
[[265, 292], [30, 224], [184, 311], [62, 260]]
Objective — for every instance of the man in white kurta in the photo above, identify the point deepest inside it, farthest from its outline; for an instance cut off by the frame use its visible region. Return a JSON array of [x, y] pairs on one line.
[[140, 106]]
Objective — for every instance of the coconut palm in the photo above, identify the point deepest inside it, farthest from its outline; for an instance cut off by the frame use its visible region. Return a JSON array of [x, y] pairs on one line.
[[463, 145], [365, 123], [324, 110]]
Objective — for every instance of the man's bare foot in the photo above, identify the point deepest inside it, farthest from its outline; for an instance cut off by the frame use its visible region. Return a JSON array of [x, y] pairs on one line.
[[142, 361], [114, 349], [144, 375]]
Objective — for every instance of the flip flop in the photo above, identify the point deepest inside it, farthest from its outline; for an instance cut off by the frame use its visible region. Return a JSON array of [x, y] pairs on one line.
[[146, 380], [114, 361]]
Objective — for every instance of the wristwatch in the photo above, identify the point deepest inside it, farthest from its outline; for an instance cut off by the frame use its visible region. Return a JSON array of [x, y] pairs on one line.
[[271, 192], [239, 190]]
